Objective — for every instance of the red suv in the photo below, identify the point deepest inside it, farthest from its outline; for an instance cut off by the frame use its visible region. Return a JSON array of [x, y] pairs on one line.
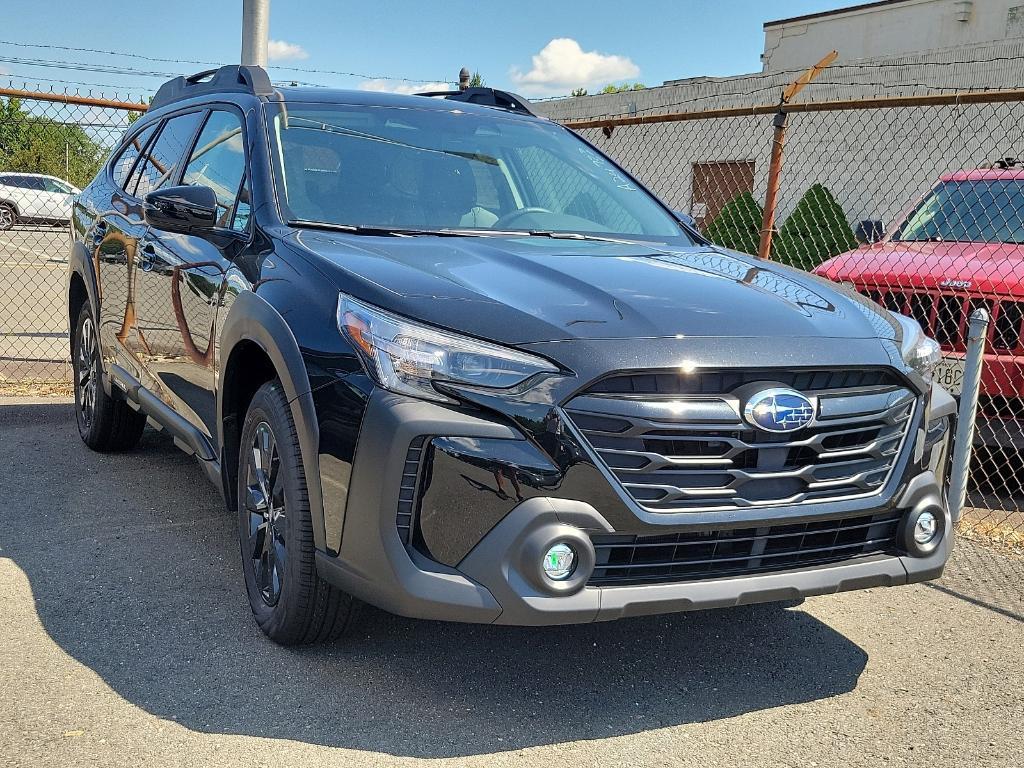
[[959, 248]]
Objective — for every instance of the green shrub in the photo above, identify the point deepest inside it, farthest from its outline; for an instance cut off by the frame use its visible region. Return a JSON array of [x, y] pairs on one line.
[[815, 231], [738, 225]]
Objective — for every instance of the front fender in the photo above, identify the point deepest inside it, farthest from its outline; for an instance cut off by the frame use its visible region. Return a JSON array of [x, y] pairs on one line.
[[251, 318]]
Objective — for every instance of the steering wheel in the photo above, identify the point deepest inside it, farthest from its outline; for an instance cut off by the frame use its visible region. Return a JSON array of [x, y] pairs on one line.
[[509, 218]]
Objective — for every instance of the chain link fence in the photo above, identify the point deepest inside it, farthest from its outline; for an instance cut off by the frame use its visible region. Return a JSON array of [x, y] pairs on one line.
[[51, 145], [917, 202]]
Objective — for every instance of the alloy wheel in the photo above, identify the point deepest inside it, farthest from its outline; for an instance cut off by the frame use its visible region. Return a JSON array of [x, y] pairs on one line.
[[85, 373], [265, 511], [6, 217]]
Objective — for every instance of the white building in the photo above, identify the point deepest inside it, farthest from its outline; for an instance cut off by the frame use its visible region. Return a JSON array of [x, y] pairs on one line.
[[890, 29]]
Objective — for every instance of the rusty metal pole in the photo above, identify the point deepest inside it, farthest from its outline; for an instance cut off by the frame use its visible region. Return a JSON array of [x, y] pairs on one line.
[[764, 248]]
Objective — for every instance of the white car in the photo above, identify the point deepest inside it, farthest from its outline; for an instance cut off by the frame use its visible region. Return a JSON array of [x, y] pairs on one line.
[[34, 198]]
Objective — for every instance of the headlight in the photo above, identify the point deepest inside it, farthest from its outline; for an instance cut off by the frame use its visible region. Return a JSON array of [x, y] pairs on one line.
[[920, 352], [406, 357]]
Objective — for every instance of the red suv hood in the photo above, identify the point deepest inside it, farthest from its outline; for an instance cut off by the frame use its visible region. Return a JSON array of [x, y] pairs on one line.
[[978, 267]]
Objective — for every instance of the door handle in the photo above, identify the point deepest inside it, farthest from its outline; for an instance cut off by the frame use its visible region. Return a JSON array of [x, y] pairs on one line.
[[147, 254]]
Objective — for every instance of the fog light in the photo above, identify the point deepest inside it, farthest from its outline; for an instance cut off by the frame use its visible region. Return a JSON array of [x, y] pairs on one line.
[[559, 562], [925, 528]]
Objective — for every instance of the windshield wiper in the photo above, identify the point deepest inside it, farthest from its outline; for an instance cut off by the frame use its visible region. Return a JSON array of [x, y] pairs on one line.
[[378, 231]]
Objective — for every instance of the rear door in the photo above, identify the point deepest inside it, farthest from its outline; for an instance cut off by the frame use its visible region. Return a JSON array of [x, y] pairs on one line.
[[112, 237], [188, 273]]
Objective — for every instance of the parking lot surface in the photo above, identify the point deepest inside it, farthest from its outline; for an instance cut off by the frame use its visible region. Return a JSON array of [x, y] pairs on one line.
[[127, 640]]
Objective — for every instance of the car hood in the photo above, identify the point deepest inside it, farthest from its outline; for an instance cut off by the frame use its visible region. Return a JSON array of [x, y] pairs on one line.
[[995, 267], [532, 289]]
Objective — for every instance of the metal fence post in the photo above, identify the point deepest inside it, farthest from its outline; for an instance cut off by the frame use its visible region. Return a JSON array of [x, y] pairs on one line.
[[977, 332]]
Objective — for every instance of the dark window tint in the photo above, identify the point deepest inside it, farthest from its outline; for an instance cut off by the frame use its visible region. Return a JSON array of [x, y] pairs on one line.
[[5, 180], [969, 212], [166, 152], [218, 162], [126, 160]]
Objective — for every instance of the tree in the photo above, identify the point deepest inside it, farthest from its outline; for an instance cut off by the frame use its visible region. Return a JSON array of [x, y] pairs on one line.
[[476, 81], [612, 88], [577, 92], [815, 231], [34, 144], [738, 225]]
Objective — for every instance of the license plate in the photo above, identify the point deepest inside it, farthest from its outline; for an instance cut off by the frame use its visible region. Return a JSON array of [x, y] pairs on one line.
[[949, 374]]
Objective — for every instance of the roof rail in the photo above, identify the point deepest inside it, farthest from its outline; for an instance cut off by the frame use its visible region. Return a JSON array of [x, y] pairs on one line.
[[488, 97], [229, 79]]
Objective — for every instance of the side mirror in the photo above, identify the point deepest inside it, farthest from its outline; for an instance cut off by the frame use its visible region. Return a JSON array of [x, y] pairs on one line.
[[187, 210], [686, 220], [869, 231]]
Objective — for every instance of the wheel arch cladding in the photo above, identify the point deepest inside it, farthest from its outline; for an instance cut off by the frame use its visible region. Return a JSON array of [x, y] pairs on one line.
[[81, 287], [254, 333]]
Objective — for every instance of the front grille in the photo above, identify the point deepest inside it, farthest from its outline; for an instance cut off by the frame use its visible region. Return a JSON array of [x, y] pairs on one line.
[[692, 452], [408, 490], [702, 555], [944, 316]]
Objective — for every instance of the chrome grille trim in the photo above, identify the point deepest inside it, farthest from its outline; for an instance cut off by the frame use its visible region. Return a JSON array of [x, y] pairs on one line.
[[694, 453]]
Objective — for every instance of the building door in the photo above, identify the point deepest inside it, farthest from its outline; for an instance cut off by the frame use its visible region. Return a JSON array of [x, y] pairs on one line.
[[715, 184]]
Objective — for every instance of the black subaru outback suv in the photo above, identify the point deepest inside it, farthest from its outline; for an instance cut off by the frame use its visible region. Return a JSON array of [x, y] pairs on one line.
[[443, 356]]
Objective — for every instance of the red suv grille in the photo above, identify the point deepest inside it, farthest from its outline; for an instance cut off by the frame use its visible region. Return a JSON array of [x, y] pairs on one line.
[[944, 316]]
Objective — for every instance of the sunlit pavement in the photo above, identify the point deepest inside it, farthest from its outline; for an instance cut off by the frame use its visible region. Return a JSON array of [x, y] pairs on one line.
[[126, 640]]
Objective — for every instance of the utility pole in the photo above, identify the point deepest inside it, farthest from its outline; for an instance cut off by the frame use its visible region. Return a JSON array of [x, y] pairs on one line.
[[255, 32]]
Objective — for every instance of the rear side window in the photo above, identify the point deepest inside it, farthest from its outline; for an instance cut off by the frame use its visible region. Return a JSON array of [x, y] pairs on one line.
[[164, 156], [218, 162], [124, 163]]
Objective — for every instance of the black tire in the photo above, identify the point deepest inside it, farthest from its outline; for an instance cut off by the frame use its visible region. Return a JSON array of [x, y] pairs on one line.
[[104, 423], [8, 217], [290, 602]]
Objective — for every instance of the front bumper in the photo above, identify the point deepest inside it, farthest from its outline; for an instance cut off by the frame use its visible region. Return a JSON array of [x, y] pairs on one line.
[[492, 578]]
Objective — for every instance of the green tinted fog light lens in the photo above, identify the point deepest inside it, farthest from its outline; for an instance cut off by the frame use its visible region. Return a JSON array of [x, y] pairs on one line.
[[926, 528], [559, 562]]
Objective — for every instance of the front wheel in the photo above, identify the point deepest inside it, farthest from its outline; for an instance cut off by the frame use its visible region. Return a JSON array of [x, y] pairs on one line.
[[8, 217], [290, 602]]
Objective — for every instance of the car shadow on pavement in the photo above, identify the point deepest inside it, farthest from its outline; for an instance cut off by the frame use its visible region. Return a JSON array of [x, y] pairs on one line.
[[135, 573]]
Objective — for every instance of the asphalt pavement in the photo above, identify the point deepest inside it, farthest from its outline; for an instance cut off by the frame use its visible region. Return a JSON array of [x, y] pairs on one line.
[[126, 639]]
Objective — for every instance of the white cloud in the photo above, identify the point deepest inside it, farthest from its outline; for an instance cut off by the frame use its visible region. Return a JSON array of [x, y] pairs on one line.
[[398, 86], [563, 65], [279, 50]]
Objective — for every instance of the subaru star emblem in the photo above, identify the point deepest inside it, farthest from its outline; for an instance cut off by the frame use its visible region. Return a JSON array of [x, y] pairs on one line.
[[779, 410]]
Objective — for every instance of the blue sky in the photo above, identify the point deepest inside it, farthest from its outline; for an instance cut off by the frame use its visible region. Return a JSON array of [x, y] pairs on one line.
[[538, 47]]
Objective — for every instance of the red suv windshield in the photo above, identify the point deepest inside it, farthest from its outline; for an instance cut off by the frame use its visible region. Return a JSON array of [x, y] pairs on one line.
[[986, 211]]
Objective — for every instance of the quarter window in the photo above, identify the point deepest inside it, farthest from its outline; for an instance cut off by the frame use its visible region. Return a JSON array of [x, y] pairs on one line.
[[218, 162], [126, 160], [163, 158]]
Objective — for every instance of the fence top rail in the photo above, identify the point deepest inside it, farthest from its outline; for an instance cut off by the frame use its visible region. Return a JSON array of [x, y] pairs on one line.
[[68, 98], [883, 102]]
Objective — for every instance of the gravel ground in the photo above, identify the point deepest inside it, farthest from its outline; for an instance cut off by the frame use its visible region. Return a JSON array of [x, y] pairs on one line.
[[126, 640]]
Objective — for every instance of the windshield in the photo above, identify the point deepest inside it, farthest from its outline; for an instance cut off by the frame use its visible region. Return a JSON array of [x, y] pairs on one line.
[[426, 169], [969, 211]]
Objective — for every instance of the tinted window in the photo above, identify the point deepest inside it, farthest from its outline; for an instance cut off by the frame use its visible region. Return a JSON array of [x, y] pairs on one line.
[[438, 169], [969, 211], [218, 162], [163, 157], [52, 185], [126, 160]]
